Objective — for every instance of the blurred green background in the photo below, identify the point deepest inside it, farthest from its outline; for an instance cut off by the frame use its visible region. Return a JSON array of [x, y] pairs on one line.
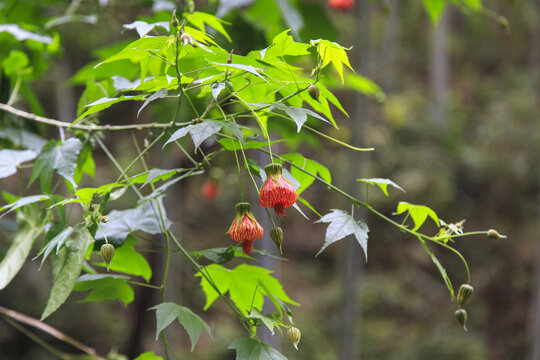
[[459, 130]]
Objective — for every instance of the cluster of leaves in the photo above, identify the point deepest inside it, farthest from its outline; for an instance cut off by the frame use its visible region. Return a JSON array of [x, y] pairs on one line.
[[240, 96]]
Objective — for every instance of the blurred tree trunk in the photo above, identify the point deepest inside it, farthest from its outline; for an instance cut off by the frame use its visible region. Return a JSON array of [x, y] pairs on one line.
[[534, 326], [439, 70], [388, 77], [65, 100], [353, 269]]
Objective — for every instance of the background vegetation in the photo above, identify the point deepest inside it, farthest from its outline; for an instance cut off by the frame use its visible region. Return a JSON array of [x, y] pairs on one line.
[[457, 127]]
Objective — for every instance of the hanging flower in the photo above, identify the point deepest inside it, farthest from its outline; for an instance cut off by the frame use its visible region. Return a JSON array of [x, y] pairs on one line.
[[245, 227], [210, 189], [341, 4], [277, 192]]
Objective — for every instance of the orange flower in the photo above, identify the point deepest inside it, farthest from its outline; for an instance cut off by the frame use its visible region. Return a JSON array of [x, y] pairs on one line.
[[341, 4], [245, 227], [210, 189], [277, 192]]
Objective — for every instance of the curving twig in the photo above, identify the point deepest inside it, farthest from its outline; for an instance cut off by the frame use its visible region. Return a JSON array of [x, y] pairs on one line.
[[93, 127], [25, 319]]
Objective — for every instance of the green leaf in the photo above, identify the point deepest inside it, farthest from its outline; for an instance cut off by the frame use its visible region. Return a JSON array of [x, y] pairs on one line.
[[105, 103], [85, 164], [148, 356], [330, 51], [219, 255], [10, 159], [157, 95], [474, 5], [66, 19], [199, 19], [198, 132], [382, 184], [364, 85], [149, 177], [299, 115], [139, 49], [249, 68], [59, 156], [216, 88], [268, 321], [418, 213], [127, 260], [435, 9], [56, 242], [444, 275], [67, 268], [30, 226], [21, 34], [309, 165], [145, 218], [283, 45], [105, 287], [243, 285], [192, 323], [342, 225], [16, 61], [22, 202], [228, 144], [251, 349], [143, 28]]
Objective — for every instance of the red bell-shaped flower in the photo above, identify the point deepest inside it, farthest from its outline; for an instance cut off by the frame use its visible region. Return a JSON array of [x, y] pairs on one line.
[[210, 189], [277, 192], [341, 4], [245, 228]]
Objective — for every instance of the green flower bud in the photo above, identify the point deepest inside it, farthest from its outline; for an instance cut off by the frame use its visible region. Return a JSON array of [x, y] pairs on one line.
[[107, 253], [461, 317], [494, 234], [294, 336], [276, 234], [464, 294]]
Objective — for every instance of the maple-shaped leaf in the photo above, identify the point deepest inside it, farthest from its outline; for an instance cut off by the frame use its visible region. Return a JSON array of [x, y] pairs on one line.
[[330, 51], [382, 184], [342, 225], [198, 132]]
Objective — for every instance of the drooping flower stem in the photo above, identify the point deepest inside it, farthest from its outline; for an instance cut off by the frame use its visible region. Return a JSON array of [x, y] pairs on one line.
[[239, 175]]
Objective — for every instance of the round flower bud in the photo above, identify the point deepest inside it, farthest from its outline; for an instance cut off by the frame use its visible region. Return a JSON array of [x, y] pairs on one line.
[[461, 317], [276, 234], [104, 219], [314, 92], [107, 253], [186, 38], [294, 336], [464, 294], [494, 234], [174, 22]]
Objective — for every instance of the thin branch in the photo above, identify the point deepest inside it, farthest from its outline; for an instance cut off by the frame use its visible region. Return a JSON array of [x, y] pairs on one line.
[[25, 319], [93, 127]]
